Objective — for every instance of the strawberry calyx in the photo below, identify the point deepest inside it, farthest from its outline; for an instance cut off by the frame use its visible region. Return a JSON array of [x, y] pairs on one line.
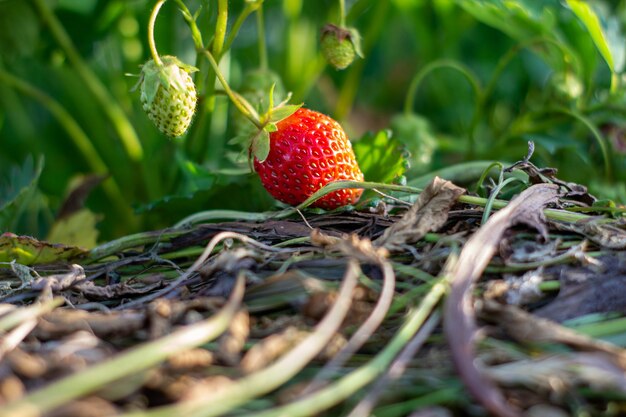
[[257, 142], [167, 75]]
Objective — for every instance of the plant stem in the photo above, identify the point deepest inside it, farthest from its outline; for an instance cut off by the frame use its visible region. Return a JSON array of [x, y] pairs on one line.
[[220, 28], [260, 24], [234, 30], [433, 66], [196, 143], [80, 139], [237, 100], [151, 22], [351, 83], [131, 241], [492, 197], [120, 122], [360, 377], [342, 13], [196, 35]]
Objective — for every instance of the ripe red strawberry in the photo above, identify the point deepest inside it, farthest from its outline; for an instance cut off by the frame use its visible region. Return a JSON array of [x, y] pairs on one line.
[[307, 151]]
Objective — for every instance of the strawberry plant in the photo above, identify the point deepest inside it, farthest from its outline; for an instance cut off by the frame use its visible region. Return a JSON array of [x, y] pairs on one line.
[[289, 207]]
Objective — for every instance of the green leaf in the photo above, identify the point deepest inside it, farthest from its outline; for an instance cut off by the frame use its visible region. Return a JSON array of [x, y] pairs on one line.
[[416, 134], [243, 139], [261, 145], [19, 28], [78, 229], [27, 250], [355, 37], [281, 113], [270, 127], [520, 19], [17, 194], [151, 81], [230, 191], [380, 157], [271, 97], [591, 21]]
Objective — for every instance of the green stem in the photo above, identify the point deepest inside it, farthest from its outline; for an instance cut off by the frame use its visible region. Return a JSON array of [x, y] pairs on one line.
[[273, 376], [492, 197], [80, 139], [351, 84], [131, 241], [357, 379], [486, 172], [342, 13], [237, 100], [433, 66], [120, 122], [196, 142], [234, 30], [552, 214], [151, 22], [604, 328], [196, 35], [220, 27], [474, 82], [260, 24]]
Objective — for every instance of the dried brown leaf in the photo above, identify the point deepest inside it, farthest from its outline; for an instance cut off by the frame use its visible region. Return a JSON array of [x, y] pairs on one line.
[[587, 289], [60, 322], [351, 245], [429, 213], [460, 322], [11, 389], [271, 348], [526, 327], [86, 407], [563, 372], [601, 231], [60, 282], [26, 364], [114, 291], [232, 342], [190, 359]]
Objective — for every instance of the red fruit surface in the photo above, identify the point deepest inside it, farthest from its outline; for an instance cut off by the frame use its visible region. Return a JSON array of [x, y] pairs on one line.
[[308, 151]]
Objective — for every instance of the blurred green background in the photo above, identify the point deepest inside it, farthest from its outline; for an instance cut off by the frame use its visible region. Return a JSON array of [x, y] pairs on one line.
[[486, 77]]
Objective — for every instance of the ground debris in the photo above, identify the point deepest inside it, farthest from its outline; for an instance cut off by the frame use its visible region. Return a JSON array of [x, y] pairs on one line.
[[294, 270]]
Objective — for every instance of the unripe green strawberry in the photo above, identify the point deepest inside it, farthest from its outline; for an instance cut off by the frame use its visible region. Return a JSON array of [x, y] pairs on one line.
[[340, 46], [307, 151], [168, 95]]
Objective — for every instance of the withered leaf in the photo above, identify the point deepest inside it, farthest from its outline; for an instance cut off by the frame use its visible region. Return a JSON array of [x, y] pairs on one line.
[[61, 322], [27, 250], [429, 213], [588, 289], [233, 341], [460, 321], [601, 231], [107, 292], [568, 371], [526, 327], [271, 348]]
